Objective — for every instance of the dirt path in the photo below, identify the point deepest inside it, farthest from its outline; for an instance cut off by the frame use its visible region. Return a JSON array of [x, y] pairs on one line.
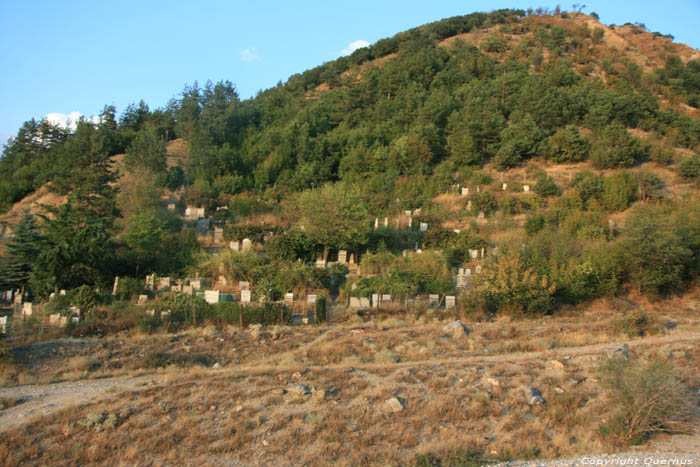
[[40, 400]]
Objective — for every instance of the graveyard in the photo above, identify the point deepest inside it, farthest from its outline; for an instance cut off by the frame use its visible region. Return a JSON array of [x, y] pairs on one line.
[[475, 242]]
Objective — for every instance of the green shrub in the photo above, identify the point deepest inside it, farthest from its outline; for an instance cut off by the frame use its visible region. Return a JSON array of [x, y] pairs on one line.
[[639, 323], [690, 167], [129, 287], [646, 399], [545, 186]]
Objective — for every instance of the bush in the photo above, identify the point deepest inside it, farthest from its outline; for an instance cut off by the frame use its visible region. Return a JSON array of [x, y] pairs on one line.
[[648, 399], [129, 287], [545, 186], [690, 167], [639, 323]]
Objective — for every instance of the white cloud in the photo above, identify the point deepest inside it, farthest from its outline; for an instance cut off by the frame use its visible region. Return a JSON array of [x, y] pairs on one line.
[[358, 44], [69, 121], [250, 55]]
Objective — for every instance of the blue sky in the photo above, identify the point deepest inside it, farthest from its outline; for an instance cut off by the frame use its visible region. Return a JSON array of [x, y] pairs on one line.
[[78, 56]]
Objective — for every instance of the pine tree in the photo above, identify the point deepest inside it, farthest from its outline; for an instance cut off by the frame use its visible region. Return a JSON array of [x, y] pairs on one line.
[[22, 251]]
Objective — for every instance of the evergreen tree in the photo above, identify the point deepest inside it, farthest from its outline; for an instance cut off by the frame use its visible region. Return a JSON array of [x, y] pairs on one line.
[[22, 251]]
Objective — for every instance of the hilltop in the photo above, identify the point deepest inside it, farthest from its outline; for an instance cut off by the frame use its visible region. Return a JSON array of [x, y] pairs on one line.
[[475, 241]]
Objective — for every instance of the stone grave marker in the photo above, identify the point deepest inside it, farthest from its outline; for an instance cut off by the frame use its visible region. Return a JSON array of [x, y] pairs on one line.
[[342, 256], [142, 299], [450, 301], [234, 245], [481, 215], [244, 285], [115, 287], [465, 191], [187, 289], [311, 299], [354, 302], [375, 300], [289, 298], [245, 296], [526, 188], [212, 296], [364, 302], [196, 284], [27, 309], [247, 244], [423, 226], [433, 300]]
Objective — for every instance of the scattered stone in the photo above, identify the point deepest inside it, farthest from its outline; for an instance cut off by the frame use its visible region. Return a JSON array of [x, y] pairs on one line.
[[238, 409], [620, 351], [493, 382], [534, 396], [556, 364], [265, 443], [351, 426], [559, 390], [395, 404], [670, 324], [456, 330], [299, 390], [216, 365]]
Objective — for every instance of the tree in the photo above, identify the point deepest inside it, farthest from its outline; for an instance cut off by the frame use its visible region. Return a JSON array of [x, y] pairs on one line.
[[654, 254], [146, 151], [567, 145], [23, 249], [334, 216]]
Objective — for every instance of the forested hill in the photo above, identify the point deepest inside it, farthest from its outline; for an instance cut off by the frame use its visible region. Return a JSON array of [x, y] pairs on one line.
[[470, 100], [499, 87]]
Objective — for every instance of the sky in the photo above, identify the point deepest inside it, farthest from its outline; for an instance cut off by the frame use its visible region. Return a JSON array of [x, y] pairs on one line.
[[71, 58]]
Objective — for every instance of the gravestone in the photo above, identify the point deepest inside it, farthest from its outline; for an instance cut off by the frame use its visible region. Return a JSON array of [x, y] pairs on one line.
[[433, 300], [465, 191], [423, 226], [200, 212], [27, 309], [483, 251], [376, 223], [342, 256], [410, 222], [408, 213], [222, 280], [386, 222], [243, 285], [150, 282], [386, 297], [62, 292], [461, 271], [450, 301], [218, 234], [115, 287], [355, 302], [481, 215], [364, 302], [54, 319], [3, 324], [478, 269], [461, 281], [171, 206], [468, 272], [212, 296], [246, 245], [469, 205], [18, 299], [474, 254], [289, 298], [478, 188], [526, 188], [311, 299], [417, 211], [505, 186], [142, 299], [375, 300], [151, 312], [187, 289], [196, 284], [164, 283], [245, 296], [234, 245], [176, 288]]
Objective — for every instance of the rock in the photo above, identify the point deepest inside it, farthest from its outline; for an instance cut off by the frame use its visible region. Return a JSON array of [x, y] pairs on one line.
[[238, 408], [534, 396], [619, 351], [395, 404], [556, 364], [322, 394], [351, 426], [559, 390], [670, 324], [299, 390], [216, 365], [493, 382], [456, 330]]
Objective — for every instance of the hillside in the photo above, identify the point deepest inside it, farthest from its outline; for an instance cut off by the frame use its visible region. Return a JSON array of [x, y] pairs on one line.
[[476, 241]]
